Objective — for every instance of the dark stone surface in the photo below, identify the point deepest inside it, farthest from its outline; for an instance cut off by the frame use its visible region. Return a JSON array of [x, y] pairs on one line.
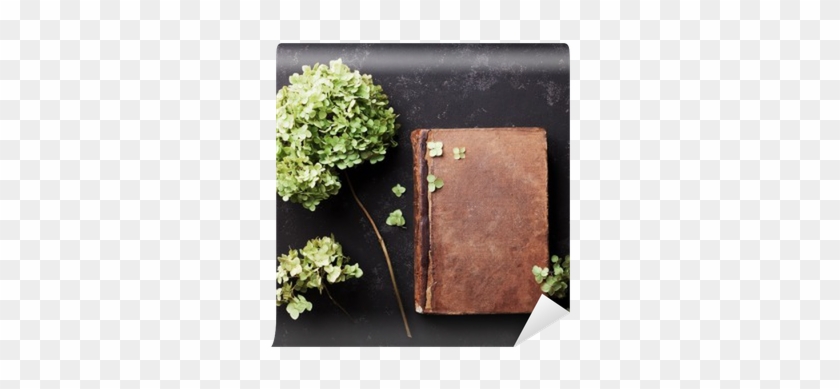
[[429, 86]]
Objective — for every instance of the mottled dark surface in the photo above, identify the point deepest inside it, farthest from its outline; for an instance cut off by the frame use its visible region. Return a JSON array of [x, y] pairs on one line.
[[430, 86]]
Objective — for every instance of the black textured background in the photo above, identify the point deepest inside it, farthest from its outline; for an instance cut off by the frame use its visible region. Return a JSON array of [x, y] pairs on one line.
[[429, 86]]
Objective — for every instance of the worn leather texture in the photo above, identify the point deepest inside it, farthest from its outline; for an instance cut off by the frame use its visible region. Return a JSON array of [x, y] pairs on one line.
[[478, 237]]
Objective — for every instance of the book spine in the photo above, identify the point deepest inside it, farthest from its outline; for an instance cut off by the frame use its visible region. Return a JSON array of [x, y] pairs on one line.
[[421, 219]]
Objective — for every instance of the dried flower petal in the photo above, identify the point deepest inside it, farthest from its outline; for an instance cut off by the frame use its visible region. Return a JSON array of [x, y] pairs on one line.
[[398, 190], [396, 219]]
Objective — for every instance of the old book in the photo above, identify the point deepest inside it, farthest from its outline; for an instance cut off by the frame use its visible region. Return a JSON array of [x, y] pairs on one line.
[[479, 235]]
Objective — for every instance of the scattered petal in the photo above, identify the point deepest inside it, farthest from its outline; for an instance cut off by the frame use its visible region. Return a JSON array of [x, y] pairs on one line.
[[396, 219], [435, 149], [398, 190]]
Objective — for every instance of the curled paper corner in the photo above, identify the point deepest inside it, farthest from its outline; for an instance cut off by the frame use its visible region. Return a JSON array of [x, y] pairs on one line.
[[545, 313]]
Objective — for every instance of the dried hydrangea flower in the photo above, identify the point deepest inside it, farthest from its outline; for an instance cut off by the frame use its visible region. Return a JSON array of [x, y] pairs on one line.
[[396, 219], [553, 280], [435, 149], [321, 261], [434, 182], [328, 119], [398, 190], [459, 152]]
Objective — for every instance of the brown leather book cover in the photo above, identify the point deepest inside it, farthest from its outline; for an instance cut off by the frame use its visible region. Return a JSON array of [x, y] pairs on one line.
[[479, 235]]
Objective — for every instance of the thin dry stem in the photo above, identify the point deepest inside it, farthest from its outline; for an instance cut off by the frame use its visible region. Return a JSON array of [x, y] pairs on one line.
[[384, 251], [337, 304]]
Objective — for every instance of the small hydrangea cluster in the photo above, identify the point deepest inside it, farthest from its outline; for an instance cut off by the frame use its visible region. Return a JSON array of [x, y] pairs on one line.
[[553, 280], [320, 261]]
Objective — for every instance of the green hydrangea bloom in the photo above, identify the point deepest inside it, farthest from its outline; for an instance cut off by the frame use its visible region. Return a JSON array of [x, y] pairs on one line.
[[328, 119], [553, 280], [320, 261]]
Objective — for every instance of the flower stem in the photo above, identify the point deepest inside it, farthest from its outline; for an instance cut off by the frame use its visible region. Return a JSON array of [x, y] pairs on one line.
[[384, 251], [337, 304]]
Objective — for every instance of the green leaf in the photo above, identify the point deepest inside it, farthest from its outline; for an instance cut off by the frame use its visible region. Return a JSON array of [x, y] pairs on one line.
[[432, 187], [430, 178], [438, 183], [555, 259]]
